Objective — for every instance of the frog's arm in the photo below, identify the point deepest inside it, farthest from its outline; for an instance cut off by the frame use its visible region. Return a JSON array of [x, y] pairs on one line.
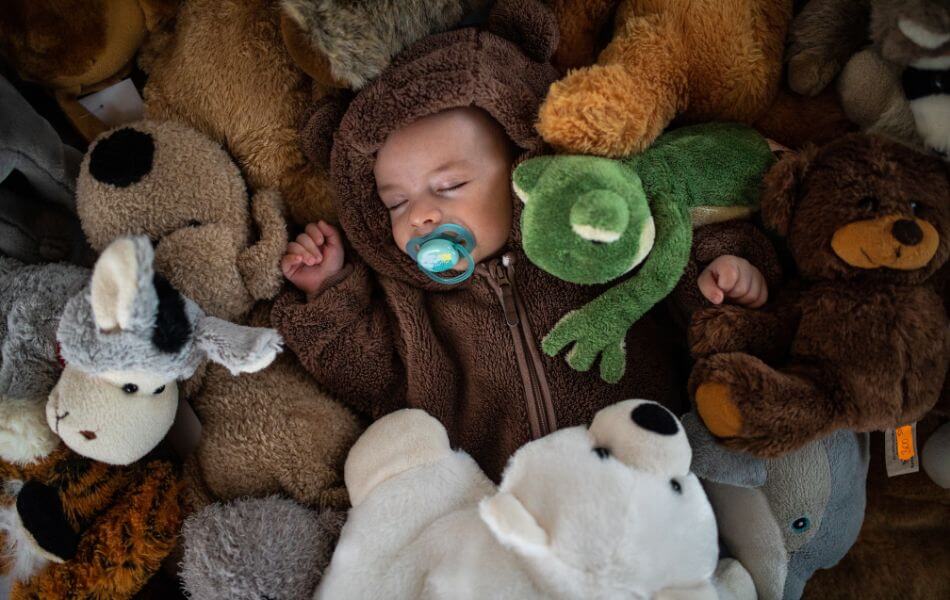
[[709, 165], [600, 327]]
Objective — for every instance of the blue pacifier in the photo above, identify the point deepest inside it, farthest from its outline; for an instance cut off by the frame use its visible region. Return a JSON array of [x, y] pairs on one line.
[[441, 250]]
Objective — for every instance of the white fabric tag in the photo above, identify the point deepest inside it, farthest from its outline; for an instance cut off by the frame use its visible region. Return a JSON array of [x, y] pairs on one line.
[[115, 105]]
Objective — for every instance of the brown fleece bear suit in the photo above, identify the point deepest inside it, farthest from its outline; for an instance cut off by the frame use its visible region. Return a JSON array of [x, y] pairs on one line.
[[864, 344], [381, 336]]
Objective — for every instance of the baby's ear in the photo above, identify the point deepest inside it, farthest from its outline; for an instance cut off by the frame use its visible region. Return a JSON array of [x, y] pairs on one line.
[[529, 24], [781, 188], [316, 132]]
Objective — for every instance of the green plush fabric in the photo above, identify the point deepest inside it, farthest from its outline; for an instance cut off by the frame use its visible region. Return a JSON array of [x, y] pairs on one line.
[[591, 220]]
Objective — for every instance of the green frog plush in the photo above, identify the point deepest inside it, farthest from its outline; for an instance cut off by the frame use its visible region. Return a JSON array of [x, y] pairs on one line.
[[591, 220]]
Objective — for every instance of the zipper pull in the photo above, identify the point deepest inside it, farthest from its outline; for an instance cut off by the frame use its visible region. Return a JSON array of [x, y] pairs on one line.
[[506, 291]]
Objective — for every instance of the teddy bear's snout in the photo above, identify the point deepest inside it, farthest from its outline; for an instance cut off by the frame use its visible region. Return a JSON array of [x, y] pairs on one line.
[[893, 242]]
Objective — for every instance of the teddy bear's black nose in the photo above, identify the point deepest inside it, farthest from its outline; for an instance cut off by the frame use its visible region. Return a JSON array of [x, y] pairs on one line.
[[655, 418], [907, 232], [123, 158]]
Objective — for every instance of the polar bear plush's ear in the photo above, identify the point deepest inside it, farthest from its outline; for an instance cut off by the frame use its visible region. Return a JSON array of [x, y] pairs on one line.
[[513, 525]]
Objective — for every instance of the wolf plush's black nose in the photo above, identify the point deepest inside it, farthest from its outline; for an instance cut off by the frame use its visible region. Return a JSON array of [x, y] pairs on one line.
[[122, 158], [655, 418], [907, 232]]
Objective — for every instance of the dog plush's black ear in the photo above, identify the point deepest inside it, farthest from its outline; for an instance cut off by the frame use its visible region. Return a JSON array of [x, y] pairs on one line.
[[319, 125], [781, 188], [529, 24]]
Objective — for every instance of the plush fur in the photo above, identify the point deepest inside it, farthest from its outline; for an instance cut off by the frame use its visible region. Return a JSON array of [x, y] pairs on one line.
[[271, 432], [907, 517], [76, 46], [580, 513], [830, 37], [24, 434], [257, 548], [788, 517], [127, 519], [591, 220], [181, 189], [349, 43], [697, 61], [225, 72], [864, 343]]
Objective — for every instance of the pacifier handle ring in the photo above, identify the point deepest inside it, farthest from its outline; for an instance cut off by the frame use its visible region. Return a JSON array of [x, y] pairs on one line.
[[458, 278]]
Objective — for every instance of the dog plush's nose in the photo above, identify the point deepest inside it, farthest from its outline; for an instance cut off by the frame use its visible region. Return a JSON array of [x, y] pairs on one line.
[[907, 232], [122, 158]]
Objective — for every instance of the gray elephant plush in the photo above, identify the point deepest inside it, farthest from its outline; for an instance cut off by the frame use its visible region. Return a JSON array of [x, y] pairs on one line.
[[787, 517]]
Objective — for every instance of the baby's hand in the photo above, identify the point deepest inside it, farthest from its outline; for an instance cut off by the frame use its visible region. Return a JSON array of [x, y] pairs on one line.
[[734, 279], [313, 258]]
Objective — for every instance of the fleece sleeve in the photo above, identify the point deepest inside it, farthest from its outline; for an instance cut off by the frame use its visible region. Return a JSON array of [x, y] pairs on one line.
[[739, 238], [344, 337]]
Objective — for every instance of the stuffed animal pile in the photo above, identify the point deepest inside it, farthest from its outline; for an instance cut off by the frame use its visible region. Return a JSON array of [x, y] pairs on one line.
[[156, 440]]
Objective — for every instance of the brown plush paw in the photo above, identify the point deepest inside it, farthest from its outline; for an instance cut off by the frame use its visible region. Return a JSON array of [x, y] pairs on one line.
[[714, 330], [810, 73], [592, 111], [717, 409]]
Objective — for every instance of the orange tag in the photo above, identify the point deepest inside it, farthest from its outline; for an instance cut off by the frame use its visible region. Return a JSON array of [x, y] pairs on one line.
[[905, 442]]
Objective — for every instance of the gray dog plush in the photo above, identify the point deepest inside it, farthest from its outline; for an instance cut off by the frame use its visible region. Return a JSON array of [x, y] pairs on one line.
[[114, 344], [787, 517]]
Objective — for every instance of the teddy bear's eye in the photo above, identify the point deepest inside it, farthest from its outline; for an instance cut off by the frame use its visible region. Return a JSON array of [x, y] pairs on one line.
[[915, 208], [602, 452], [869, 203], [130, 388], [676, 486], [159, 390]]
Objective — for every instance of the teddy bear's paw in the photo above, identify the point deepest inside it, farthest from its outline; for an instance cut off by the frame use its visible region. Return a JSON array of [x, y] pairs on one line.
[[711, 331], [809, 73], [596, 111], [718, 410]]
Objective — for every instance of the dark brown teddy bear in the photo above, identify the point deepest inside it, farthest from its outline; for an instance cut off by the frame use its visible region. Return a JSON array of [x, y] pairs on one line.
[[863, 343]]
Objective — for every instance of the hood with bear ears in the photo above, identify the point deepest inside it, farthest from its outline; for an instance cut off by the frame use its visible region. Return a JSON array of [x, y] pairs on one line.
[[502, 69]]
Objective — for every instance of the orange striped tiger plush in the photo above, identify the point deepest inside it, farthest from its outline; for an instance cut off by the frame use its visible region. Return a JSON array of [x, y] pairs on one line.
[[71, 527]]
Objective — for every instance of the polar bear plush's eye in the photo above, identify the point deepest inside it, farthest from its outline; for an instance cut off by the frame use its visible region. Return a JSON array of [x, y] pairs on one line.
[[676, 486], [130, 388], [159, 390], [602, 452]]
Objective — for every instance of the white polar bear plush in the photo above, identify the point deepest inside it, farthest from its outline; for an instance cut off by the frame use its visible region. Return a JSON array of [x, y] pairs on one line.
[[609, 511]]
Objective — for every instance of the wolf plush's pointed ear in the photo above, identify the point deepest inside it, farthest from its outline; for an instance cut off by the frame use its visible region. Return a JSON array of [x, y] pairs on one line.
[[121, 291], [238, 348], [714, 462], [781, 188], [529, 24], [513, 525]]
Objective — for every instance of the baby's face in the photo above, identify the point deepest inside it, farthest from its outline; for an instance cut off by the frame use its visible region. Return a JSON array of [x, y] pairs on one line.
[[451, 167]]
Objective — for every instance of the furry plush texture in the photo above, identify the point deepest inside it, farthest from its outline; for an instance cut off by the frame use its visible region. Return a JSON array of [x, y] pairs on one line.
[[695, 61], [31, 299], [225, 71], [906, 516], [126, 518], [864, 342], [181, 189], [257, 548], [38, 220], [581, 513], [381, 335], [349, 43], [785, 518], [271, 432], [909, 38], [591, 220], [75, 47], [24, 434]]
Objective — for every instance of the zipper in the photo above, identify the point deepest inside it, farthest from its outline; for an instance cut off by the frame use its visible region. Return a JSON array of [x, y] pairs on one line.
[[501, 277]]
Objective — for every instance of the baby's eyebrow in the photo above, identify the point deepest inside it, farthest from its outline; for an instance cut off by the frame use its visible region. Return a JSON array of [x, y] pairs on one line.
[[459, 162]]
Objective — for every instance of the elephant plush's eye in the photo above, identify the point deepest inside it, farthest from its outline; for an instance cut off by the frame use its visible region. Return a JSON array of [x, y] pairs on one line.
[[602, 452], [130, 388], [676, 486], [159, 390], [801, 525], [869, 203]]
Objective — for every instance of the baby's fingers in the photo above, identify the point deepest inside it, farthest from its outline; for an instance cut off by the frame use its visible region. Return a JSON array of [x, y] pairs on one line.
[[315, 256], [315, 234], [290, 264], [708, 287]]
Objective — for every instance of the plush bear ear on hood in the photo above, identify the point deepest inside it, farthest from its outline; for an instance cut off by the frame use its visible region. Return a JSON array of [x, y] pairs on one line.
[[316, 131], [527, 23], [781, 188]]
